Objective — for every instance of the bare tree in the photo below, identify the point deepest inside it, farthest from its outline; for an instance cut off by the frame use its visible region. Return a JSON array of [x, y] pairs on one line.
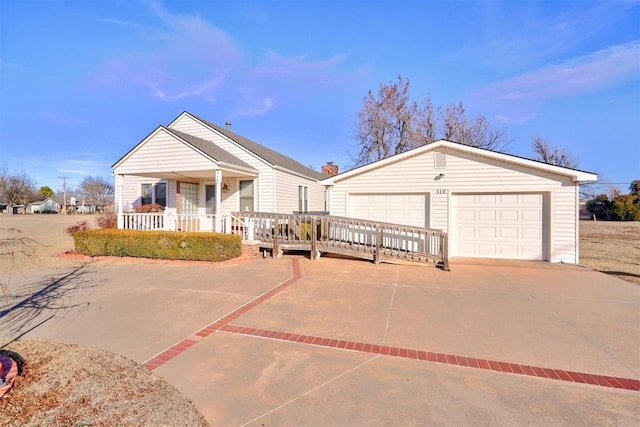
[[16, 188], [391, 123], [98, 190], [476, 132], [544, 152], [387, 124]]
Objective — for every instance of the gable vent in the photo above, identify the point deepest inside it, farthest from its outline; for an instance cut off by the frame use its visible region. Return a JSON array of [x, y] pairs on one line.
[[440, 160]]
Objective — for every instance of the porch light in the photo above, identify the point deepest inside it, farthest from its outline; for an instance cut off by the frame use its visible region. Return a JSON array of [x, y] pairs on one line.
[[225, 187]]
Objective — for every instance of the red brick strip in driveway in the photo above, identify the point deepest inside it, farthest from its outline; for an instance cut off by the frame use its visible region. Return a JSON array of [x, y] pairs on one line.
[[223, 325], [171, 352], [447, 359]]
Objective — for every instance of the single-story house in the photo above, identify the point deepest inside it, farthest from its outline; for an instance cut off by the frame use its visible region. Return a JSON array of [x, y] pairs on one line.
[[493, 205], [47, 205], [198, 171]]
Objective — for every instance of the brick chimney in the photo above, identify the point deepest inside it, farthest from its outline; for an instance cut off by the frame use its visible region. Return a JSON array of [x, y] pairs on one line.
[[330, 169]]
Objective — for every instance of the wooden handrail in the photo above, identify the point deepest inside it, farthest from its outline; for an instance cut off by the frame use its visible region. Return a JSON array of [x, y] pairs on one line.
[[368, 239]]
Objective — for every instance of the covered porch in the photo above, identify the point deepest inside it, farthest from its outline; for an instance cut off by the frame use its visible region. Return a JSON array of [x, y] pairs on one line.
[[184, 200], [175, 181]]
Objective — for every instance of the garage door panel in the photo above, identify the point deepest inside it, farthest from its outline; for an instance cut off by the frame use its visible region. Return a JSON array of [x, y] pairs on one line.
[[487, 215], [466, 200], [486, 199], [508, 232], [534, 199], [532, 215], [508, 199], [487, 232], [405, 209], [509, 215], [377, 199], [466, 215], [531, 234], [486, 250], [497, 226], [531, 252]]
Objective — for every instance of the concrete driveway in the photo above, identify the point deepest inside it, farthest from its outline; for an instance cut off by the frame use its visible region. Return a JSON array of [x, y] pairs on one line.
[[344, 342]]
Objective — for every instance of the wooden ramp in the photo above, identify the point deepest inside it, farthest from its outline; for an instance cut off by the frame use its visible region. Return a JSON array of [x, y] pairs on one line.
[[376, 241]]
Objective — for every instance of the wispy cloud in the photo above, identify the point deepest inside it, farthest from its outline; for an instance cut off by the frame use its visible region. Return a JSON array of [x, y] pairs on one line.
[[580, 75], [258, 108], [203, 88], [513, 35], [192, 58]]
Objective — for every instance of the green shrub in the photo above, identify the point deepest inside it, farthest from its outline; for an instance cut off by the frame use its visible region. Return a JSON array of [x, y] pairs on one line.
[[158, 244]]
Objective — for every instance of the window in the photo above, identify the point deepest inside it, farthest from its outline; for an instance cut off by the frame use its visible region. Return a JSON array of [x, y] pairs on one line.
[[146, 194], [161, 194], [303, 199], [160, 197], [210, 201], [246, 196]]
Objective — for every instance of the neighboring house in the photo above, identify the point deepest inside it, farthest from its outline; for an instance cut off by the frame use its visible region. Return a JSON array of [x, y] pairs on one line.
[[493, 205], [85, 209], [47, 205], [196, 169]]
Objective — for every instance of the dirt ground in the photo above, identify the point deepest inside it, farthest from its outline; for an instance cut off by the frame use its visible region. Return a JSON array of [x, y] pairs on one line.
[[68, 385], [612, 247]]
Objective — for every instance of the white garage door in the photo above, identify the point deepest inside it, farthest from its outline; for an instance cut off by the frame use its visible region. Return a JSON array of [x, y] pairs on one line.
[[497, 226], [405, 209]]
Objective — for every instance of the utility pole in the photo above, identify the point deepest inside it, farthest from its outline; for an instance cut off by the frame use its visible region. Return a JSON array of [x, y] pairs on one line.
[[64, 193]]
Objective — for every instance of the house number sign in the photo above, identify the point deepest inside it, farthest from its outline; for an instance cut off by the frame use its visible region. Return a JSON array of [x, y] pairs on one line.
[[441, 191]]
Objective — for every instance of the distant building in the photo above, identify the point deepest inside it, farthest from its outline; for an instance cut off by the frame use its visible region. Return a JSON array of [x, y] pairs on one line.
[[44, 206]]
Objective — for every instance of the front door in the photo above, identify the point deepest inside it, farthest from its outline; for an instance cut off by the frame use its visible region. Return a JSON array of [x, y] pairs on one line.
[[246, 196]]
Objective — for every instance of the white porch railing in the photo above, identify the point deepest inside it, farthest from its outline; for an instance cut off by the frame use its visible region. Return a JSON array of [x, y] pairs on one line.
[[317, 233], [166, 221]]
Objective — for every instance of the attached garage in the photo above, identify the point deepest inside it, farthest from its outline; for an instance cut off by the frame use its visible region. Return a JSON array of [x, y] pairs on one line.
[[498, 225], [405, 209], [491, 204]]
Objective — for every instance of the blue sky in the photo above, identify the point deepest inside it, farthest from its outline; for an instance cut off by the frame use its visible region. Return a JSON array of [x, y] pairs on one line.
[[82, 82]]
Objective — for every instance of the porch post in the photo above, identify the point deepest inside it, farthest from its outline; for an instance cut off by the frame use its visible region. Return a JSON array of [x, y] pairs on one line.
[[120, 184], [153, 194], [218, 217]]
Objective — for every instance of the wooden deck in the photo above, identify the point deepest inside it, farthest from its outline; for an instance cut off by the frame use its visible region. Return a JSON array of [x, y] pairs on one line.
[[376, 241]]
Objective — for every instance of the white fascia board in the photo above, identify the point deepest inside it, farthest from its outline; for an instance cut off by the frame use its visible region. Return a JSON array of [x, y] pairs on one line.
[[576, 175]]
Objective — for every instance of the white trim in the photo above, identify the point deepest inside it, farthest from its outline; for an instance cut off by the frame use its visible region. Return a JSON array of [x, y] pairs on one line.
[[216, 163], [576, 175]]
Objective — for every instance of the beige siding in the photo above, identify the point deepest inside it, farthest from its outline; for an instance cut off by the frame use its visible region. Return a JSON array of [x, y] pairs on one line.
[[467, 173], [565, 217], [131, 187], [287, 193], [163, 153], [264, 185]]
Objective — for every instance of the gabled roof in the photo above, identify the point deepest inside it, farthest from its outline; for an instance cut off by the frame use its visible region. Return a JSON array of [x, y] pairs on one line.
[[209, 148], [277, 160], [574, 174]]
